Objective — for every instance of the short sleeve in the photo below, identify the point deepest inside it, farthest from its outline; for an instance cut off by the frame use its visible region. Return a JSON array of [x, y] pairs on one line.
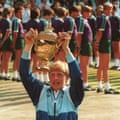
[[81, 26]]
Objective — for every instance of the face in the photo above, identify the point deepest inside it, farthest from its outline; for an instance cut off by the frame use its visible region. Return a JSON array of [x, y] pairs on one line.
[[57, 80], [20, 13], [75, 14], [12, 13], [108, 11], [86, 15]]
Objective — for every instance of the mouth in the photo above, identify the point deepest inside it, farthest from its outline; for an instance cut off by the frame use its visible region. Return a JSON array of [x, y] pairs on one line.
[[56, 83]]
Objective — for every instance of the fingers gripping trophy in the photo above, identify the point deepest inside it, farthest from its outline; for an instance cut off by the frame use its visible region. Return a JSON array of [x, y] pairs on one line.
[[47, 44]]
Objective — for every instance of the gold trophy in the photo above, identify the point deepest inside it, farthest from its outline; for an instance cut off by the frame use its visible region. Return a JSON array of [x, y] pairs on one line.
[[46, 46]]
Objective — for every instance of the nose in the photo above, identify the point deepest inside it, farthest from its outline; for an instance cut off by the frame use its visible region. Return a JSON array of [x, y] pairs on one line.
[[55, 76]]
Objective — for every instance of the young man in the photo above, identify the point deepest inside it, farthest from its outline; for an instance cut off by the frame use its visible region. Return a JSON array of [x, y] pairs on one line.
[[34, 23], [115, 25], [54, 102], [84, 44], [103, 44], [18, 40], [92, 23], [70, 26], [58, 26], [5, 44]]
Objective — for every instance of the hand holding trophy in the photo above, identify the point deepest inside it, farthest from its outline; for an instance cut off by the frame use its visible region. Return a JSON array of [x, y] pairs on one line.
[[30, 38], [47, 44]]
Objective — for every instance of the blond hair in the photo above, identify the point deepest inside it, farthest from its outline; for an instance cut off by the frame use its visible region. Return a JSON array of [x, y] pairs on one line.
[[59, 66], [107, 5]]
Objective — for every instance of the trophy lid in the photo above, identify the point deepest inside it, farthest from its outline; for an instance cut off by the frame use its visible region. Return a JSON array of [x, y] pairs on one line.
[[48, 34]]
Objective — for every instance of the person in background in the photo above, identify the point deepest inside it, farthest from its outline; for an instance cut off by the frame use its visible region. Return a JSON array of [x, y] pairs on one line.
[[58, 26], [34, 23], [58, 20], [84, 44], [45, 4], [92, 23], [2, 2], [46, 17], [1, 8], [26, 14], [18, 3], [35, 3], [103, 44], [115, 25], [117, 3], [56, 4], [56, 101], [99, 12], [8, 3], [6, 43], [18, 40], [70, 26]]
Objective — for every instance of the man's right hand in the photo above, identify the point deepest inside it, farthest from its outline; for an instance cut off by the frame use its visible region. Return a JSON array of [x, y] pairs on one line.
[[30, 37]]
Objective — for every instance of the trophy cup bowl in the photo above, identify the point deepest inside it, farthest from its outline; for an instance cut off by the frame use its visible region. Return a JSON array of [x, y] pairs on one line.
[[46, 45]]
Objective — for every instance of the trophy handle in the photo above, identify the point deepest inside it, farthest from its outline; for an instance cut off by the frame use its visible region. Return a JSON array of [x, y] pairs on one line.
[[62, 37]]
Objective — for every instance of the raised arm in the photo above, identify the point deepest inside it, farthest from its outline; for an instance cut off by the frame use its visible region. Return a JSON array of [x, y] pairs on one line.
[[32, 85], [76, 84]]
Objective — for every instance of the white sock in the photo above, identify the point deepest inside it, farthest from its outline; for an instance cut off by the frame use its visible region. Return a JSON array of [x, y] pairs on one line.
[[86, 84], [41, 77], [97, 61], [3, 74], [100, 84], [18, 76], [91, 61], [46, 77], [78, 60], [107, 86], [15, 74], [7, 74], [117, 62]]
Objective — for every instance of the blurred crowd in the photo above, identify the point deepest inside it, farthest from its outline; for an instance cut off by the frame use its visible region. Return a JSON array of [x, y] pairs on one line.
[[64, 3], [89, 21]]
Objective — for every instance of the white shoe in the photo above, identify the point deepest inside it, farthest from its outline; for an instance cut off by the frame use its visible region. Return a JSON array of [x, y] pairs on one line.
[[118, 68]]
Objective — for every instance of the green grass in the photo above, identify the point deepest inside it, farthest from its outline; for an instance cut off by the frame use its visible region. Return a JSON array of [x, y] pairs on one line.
[[114, 78]]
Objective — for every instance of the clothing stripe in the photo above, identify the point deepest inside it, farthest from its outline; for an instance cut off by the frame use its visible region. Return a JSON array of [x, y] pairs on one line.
[[103, 22], [16, 26], [71, 24], [45, 22], [81, 27]]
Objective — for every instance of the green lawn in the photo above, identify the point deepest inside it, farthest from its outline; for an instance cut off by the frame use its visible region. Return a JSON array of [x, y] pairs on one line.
[[114, 78]]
